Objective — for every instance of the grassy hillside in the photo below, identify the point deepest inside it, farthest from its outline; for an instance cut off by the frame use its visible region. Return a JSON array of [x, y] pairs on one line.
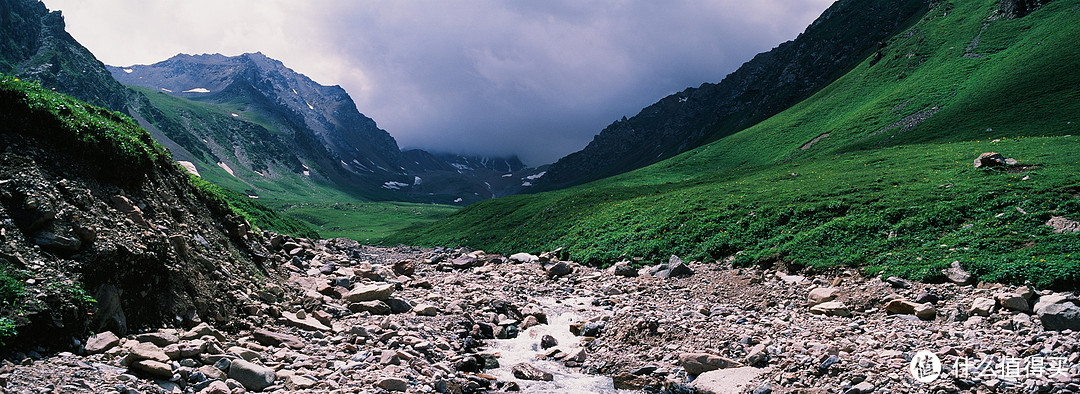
[[302, 205], [360, 220], [889, 185]]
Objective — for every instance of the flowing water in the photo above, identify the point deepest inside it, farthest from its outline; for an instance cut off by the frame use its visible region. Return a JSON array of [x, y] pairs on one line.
[[524, 349]]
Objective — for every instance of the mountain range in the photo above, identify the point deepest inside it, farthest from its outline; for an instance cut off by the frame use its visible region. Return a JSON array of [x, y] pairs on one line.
[[274, 129]]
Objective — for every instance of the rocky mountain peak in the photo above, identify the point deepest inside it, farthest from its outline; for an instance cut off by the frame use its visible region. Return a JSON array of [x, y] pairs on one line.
[[36, 46]]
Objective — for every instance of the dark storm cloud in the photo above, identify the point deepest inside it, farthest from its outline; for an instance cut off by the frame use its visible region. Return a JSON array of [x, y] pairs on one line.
[[533, 78]]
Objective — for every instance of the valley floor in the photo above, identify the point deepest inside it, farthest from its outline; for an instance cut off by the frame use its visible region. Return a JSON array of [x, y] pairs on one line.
[[361, 319]]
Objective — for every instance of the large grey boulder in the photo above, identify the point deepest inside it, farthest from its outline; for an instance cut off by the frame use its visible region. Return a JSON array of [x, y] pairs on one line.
[[252, 376]]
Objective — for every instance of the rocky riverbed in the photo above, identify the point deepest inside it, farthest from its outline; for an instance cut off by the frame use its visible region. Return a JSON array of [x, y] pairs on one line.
[[360, 319]]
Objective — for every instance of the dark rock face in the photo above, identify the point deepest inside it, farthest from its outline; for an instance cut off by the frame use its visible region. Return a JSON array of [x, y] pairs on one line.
[[769, 83], [1019, 8], [35, 46]]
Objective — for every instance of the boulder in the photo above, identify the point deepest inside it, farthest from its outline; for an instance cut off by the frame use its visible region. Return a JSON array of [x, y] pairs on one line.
[[1013, 301], [153, 368], [822, 295], [1061, 316], [464, 261], [723, 381], [524, 258], [1025, 291], [372, 307], [989, 159], [625, 269], [831, 308], [252, 376], [1063, 225], [696, 363], [398, 305], [529, 372], [956, 274], [673, 269], [404, 268], [898, 282], [981, 306], [145, 351], [905, 307], [560, 268], [101, 342], [370, 293]]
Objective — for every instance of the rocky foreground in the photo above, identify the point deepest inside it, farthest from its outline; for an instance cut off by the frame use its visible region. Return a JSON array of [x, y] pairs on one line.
[[359, 319]]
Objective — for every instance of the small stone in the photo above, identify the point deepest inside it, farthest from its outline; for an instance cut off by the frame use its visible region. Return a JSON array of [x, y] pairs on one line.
[[862, 388], [547, 342], [927, 298], [425, 310], [216, 387], [1026, 292], [372, 307], [981, 306], [627, 381], [733, 380], [393, 384], [898, 282], [696, 363], [160, 339], [822, 295], [270, 338], [591, 329], [370, 293], [302, 321], [529, 321], [244, 353], [832, 308]]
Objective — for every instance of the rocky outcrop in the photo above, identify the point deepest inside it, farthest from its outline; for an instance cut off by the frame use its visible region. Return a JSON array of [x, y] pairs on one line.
[[94, 226], [36, 47], [1012, 9]]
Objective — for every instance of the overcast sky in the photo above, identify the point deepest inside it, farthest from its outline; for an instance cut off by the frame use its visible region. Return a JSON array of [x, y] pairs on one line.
[[532, 78]]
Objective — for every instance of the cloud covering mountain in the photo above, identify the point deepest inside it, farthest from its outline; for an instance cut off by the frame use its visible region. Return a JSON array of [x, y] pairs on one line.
[[537, 79]]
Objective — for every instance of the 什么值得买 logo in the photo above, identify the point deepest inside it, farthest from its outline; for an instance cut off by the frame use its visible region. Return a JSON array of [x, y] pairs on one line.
[[926, 367]]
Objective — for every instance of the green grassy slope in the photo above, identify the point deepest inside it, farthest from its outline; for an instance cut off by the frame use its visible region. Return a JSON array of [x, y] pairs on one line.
[[890, 188]]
